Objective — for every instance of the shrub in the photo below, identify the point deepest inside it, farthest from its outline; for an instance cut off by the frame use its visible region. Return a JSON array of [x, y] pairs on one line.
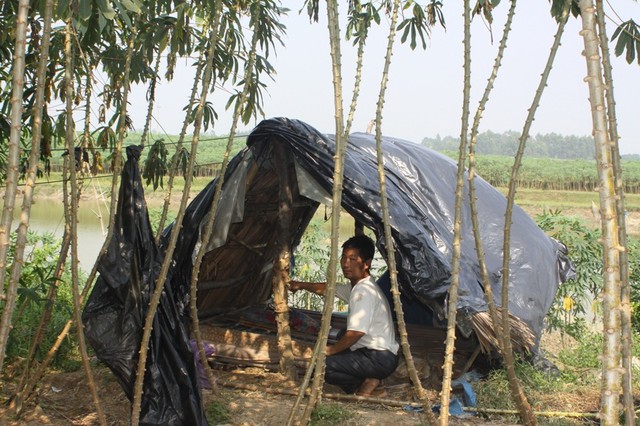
[[309, 263], [41, 255], [578, 296], [575, 297]]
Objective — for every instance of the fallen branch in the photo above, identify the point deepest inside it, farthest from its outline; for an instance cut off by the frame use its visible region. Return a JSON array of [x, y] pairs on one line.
[[396, 403]]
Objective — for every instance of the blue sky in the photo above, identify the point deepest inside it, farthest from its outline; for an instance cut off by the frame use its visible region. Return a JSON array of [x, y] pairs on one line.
[[424, 93]]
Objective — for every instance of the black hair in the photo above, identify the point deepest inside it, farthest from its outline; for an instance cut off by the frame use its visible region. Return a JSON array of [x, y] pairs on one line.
[[363, 244]]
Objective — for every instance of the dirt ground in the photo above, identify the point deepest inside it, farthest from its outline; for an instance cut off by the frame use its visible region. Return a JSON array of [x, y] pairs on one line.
[[254, 396], [64, 399]]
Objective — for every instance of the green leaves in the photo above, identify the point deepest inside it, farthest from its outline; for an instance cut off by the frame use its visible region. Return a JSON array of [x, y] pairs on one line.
[[485, 8], [585, 252], [414, 26], [628, 36], [360, 20], [156, 165], [420, 22]]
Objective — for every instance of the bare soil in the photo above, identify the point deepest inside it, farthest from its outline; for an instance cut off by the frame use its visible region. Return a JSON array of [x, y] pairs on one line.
[[255, 396], [64, 399]]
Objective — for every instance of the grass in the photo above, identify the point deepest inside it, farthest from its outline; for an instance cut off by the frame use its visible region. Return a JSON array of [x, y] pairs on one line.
[[547, 199], [575, 390], [218, 412], [330, 414], [534, 198]]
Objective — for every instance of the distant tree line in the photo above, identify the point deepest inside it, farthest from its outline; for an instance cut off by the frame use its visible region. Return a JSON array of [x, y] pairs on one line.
[[550, 145]]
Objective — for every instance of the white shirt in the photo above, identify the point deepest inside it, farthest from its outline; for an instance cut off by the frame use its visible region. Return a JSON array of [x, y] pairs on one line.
[[369, 313]]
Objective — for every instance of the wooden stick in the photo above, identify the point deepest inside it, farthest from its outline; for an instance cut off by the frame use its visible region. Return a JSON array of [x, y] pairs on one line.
[[397, 403]]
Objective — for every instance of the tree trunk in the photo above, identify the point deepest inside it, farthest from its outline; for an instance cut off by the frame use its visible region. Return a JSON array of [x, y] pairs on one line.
[[176, 156], [208, 229], [13, 160], [611, 378]]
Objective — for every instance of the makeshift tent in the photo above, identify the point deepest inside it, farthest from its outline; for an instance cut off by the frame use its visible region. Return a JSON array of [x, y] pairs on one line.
[[287, 165], [237, 269]]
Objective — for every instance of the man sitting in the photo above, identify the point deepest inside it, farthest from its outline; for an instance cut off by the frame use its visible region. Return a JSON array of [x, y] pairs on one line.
[[368, 351]]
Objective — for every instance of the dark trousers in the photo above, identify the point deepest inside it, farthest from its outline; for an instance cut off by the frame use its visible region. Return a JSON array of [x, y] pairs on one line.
[[348, 369]]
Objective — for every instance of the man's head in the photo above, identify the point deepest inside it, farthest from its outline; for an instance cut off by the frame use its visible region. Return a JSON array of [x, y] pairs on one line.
[[357, 254]]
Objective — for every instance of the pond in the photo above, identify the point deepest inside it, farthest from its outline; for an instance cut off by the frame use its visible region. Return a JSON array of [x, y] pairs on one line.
[[47, 216]]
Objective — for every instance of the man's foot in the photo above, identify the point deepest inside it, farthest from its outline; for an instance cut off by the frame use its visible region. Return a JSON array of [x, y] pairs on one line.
[[370, 388]]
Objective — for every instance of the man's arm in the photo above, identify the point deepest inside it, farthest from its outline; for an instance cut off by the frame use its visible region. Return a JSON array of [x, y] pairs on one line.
[[317, 288], [346, 341]]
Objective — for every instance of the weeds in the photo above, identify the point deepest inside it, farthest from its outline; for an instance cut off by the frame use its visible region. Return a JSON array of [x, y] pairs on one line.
[[330, 414], [217, 411], [35, 282]]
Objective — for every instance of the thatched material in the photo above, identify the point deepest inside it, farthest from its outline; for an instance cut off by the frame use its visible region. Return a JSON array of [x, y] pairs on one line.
[[522, 338]]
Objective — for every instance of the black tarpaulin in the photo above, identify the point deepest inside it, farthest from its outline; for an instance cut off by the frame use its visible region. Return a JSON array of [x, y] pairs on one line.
[[421, 196], [115, 313]]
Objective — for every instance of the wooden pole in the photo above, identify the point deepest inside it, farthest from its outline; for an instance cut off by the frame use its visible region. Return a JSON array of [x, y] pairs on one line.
[[283, 259]]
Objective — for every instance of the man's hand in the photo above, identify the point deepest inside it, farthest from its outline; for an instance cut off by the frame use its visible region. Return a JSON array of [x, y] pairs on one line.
[[294, 286]]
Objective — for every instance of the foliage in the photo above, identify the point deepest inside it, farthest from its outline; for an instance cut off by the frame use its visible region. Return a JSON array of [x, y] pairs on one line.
[[331, 414], [155, 167], [574, 296], [633, 257], [580, 374], [549, 145], [577, 298], [309, 263], [587, 354], [154, 218], [628, 35], [36, 279], [494, 391]]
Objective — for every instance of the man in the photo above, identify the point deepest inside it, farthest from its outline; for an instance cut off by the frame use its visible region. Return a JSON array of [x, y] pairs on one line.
[[368, 351]]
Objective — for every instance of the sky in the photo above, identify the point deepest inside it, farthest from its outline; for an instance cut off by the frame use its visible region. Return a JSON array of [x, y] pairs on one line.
[[424, 92]]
